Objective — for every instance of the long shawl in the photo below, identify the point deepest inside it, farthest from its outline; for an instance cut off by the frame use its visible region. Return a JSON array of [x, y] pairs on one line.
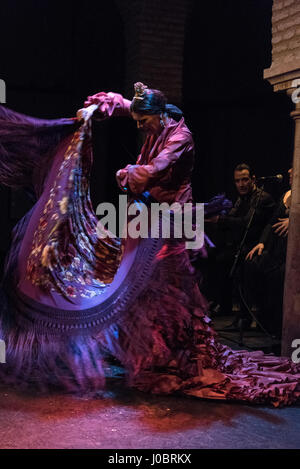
[[60, 277]]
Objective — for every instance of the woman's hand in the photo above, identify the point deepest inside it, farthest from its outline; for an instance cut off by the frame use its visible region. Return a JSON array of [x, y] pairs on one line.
[[281, 227], [86, 113], [257, 249], [80, 114], [213, 219]]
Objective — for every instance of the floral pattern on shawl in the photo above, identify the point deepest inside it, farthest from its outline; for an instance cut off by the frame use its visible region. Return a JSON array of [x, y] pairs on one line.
[[66, 254]]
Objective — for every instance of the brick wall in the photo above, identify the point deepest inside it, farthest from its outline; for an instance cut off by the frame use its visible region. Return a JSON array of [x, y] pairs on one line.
[[286, 30], [154, 31], [285, 36]]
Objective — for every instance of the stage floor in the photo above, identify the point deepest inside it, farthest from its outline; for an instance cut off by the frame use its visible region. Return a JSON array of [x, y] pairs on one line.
[[124, 419]]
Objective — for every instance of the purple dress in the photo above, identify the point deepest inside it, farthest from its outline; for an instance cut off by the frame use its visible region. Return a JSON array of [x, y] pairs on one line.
[[70, 299]]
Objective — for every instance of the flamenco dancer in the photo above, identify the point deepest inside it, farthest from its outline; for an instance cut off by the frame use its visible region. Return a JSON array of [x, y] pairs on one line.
[[70, 297]]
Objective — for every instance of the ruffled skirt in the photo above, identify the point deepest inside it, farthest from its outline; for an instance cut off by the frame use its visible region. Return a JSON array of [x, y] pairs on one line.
[[163, 339]]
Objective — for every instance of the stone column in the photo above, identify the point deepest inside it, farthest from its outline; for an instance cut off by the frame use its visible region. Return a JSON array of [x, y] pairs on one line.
[[291, 319], [284, 75]]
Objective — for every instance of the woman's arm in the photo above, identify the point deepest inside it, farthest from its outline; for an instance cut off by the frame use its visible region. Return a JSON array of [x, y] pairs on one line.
[[140, 177]]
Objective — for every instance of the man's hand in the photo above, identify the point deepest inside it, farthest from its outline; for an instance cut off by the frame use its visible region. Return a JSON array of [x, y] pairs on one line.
[[257, 249], [121, 177], [281, 227]]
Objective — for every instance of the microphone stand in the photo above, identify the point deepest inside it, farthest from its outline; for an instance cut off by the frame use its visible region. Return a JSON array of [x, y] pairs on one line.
[[234, 270]]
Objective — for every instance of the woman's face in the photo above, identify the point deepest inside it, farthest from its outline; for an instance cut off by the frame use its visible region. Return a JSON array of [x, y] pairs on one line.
[[150, 124]]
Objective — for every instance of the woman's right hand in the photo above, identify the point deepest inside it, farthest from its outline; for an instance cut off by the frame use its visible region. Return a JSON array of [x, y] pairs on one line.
[[257, 249], [108, 105], [86, 113]]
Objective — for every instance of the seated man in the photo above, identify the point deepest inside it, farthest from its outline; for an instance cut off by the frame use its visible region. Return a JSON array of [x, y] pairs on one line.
[[264, 268], [251, 201]]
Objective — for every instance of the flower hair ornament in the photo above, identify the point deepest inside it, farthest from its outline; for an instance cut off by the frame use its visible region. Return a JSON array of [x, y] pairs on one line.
[[140, 90]]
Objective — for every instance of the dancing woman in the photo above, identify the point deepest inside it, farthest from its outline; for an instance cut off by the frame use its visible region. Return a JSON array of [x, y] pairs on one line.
[[69, 298]]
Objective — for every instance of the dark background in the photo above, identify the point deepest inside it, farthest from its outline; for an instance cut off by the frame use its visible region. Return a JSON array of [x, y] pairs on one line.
[[53, 54]]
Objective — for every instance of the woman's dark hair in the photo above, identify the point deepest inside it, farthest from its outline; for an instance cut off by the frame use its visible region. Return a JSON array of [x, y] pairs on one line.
[[149, 101]]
